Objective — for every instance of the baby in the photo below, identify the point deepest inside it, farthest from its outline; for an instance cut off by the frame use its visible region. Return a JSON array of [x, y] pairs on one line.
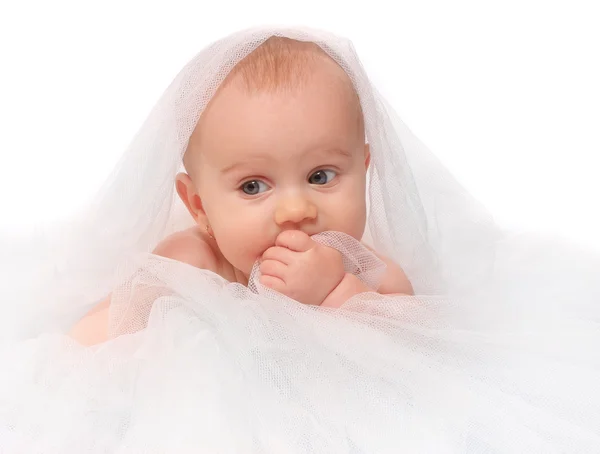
[[277, 156]]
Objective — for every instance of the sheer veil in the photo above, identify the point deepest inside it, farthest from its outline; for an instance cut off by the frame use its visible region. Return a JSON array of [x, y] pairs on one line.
[[507, 324], [418, 213]]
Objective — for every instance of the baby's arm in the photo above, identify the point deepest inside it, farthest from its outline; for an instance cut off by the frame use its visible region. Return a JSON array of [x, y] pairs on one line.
[[312, 273], [394, 282], [93, 328], [181, 246]]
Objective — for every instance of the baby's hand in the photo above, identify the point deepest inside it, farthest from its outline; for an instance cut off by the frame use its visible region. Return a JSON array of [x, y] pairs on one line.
[[301, 268]]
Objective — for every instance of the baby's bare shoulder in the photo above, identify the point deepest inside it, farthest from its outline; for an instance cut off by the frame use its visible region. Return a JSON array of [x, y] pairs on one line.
[[93, 328], [189, 246], [395, 279]]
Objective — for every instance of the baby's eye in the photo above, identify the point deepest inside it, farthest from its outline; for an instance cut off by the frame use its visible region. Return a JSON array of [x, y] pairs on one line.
[[322, 177], [254, 187]]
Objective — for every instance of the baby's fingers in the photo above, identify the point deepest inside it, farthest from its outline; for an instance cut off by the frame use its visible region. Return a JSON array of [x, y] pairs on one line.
[[295, 240], [273, 268], [273, 283], [281, 254]]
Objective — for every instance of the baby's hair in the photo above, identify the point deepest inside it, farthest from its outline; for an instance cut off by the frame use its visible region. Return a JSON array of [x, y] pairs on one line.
[[277, 64], [281, 64]]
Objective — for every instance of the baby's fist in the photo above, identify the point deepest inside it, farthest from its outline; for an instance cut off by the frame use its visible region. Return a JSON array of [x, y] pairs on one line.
[[301, 268]]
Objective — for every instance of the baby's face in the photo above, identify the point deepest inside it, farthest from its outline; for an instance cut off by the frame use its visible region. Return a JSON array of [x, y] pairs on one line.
[[277, 160]]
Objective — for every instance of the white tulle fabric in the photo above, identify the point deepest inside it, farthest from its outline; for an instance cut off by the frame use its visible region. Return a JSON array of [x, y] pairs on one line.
[[497, 352]]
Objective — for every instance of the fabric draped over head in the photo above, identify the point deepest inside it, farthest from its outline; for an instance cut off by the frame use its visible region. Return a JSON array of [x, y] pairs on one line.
[[495, 352], [418, 214]]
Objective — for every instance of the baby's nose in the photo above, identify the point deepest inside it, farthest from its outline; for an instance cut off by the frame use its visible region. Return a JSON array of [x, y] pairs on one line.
[[295, 209]]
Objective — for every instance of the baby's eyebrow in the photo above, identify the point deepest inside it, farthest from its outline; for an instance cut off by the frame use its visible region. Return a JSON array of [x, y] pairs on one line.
[[233, 167], [317, 151], [336, 151], [241, 164]]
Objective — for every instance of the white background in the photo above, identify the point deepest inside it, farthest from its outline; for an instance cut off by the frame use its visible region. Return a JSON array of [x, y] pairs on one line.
[[505, 93]]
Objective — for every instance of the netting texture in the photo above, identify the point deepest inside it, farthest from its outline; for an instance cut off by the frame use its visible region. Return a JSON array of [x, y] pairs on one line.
[[496, 352]]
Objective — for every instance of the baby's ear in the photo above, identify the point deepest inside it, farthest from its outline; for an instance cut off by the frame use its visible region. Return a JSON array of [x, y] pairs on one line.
[[367, 156], [189, 196]]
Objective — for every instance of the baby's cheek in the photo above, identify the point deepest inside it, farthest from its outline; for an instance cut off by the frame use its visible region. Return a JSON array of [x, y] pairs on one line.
[[242, 244], [349, 216]]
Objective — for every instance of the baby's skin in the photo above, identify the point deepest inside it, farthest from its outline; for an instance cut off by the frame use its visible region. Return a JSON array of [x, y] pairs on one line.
[[278, 155], [295, 266]]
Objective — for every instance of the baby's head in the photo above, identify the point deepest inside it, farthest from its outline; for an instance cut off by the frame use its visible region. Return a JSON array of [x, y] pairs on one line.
[[280, 146]]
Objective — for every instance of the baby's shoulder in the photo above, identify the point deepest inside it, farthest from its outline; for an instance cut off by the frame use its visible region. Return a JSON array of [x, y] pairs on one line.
[[189, 246]]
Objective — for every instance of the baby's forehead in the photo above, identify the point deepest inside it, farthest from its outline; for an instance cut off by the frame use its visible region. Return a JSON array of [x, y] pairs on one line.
[[280, 67]]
